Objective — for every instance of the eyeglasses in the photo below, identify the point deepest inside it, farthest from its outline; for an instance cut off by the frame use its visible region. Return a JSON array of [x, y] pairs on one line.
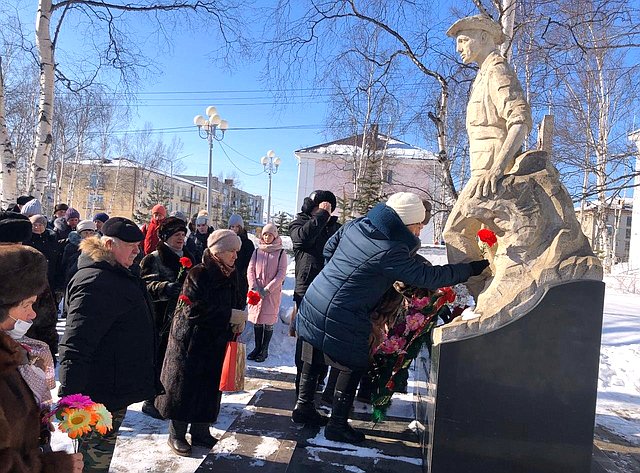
[[37, 225]]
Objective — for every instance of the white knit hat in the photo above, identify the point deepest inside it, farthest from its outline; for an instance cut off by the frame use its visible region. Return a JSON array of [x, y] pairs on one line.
[[408, 206], [86, 225]]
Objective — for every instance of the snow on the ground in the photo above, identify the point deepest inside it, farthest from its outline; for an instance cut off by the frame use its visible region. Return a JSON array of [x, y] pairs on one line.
[[618, 408], [142, 443]]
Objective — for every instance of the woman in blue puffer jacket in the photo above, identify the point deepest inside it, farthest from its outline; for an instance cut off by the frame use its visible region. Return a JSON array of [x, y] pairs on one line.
[[364, 258]]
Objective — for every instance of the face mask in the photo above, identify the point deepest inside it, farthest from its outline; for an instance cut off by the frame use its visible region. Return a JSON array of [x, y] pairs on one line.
[[19, 329]]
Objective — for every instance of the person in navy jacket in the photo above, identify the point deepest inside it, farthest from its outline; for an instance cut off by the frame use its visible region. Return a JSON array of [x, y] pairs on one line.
[[364, 258]]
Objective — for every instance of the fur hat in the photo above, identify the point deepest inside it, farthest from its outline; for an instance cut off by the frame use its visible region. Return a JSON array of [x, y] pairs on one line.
[[478, 22], [122, 228], [59, 207], [316, 198], [320, 196], [103, 217], [33, 207], [23, 273], [23, 199], [86, 225], [60, 224], [236, 219], [169, 226], [71, 213], [14, 227], [223, 240], [408, 206], [270, 228], [159, 209], [38, 219]]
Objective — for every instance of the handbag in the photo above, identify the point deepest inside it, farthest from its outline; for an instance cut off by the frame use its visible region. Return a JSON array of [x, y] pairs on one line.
[[233, 367]]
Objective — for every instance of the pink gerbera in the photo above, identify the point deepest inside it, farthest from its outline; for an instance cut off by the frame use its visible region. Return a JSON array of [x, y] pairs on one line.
[[76, 401]]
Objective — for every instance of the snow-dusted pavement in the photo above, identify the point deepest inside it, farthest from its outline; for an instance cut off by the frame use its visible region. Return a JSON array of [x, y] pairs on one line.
[[142, 443]]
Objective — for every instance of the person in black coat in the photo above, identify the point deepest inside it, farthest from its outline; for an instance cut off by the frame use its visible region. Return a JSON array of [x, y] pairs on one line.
[[364, 259], [310, 230], [109, 347], [164, 274], [26, 231], [201, 328], [71, 252], [199, 235], [244, 254], [46, 242]]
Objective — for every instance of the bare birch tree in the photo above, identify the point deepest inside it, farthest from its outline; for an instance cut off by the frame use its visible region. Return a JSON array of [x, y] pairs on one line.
[[119, 53]]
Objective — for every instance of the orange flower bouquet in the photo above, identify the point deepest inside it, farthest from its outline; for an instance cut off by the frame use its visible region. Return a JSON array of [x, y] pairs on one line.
[[79, 416]]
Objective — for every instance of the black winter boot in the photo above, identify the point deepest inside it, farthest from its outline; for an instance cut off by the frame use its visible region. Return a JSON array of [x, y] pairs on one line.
[[258, 331], [201, 435], [338, 428], [264, 351], [305, 410], [177, 440]]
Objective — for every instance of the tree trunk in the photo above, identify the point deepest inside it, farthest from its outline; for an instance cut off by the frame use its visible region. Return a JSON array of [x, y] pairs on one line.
[[8, 164], [43, 137]]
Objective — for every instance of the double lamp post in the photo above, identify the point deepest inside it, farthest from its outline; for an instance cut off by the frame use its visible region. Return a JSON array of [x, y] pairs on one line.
[[210, 129]]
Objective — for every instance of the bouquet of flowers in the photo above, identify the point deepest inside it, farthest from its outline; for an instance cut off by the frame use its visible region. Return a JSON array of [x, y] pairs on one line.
[[79, 416], [404, 340]]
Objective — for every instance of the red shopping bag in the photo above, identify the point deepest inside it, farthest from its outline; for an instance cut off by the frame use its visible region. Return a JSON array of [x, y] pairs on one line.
[[232, 378]]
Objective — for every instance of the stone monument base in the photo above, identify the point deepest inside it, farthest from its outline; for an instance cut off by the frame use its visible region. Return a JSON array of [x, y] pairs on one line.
[[520, 398]]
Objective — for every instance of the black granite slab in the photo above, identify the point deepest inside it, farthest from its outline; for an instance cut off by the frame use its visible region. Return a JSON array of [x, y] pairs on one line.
[[521, 398]]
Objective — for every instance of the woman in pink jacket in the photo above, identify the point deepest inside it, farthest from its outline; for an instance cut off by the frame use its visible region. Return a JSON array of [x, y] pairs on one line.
[[266, 273]]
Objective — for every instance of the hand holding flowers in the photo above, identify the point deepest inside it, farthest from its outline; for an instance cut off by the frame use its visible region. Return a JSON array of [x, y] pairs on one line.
[[79, 416]]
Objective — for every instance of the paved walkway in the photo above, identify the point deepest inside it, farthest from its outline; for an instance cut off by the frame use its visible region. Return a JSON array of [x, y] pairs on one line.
[[264, 437]]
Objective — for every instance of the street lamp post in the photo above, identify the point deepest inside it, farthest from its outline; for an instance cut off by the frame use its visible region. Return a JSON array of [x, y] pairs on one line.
[[270, 162], [208, 130]]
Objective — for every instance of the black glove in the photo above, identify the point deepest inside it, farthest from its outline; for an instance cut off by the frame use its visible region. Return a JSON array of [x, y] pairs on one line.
[[172, 290], [478, 266]]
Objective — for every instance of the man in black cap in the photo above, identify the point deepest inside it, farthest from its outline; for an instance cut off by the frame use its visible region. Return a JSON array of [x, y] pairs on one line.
[[108, 350]]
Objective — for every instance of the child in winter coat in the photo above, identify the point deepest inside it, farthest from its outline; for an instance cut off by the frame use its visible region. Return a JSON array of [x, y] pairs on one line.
[[267, 270]]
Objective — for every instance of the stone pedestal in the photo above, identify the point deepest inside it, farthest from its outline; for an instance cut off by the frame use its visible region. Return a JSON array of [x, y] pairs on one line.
[[520, 397]]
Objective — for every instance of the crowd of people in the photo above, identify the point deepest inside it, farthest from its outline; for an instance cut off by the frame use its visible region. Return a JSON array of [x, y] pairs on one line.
[[149, 312]]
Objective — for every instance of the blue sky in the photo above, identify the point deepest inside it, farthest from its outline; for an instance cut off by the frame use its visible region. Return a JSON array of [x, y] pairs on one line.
[[190, 81]]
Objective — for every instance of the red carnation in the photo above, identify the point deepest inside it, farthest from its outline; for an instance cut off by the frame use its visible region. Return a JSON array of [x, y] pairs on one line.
[[488, 237], [184, 298], [449, 294], [253, 297], [186, 262]]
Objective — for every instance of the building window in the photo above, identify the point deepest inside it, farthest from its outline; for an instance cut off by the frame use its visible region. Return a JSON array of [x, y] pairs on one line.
[[387, 176], [629, 221], [95, 202], [96, 180], [628, 234]]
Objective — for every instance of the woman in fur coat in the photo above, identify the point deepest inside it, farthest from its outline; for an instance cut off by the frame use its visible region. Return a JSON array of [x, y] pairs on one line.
[[163, 273], [202, 325], [22, 385], [266, 273]]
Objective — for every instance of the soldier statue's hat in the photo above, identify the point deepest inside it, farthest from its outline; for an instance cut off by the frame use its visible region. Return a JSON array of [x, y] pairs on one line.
[[478, 22]]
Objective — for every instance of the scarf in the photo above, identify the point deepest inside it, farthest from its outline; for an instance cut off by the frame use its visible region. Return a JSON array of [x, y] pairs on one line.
[[275, 245], [226, 270]]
